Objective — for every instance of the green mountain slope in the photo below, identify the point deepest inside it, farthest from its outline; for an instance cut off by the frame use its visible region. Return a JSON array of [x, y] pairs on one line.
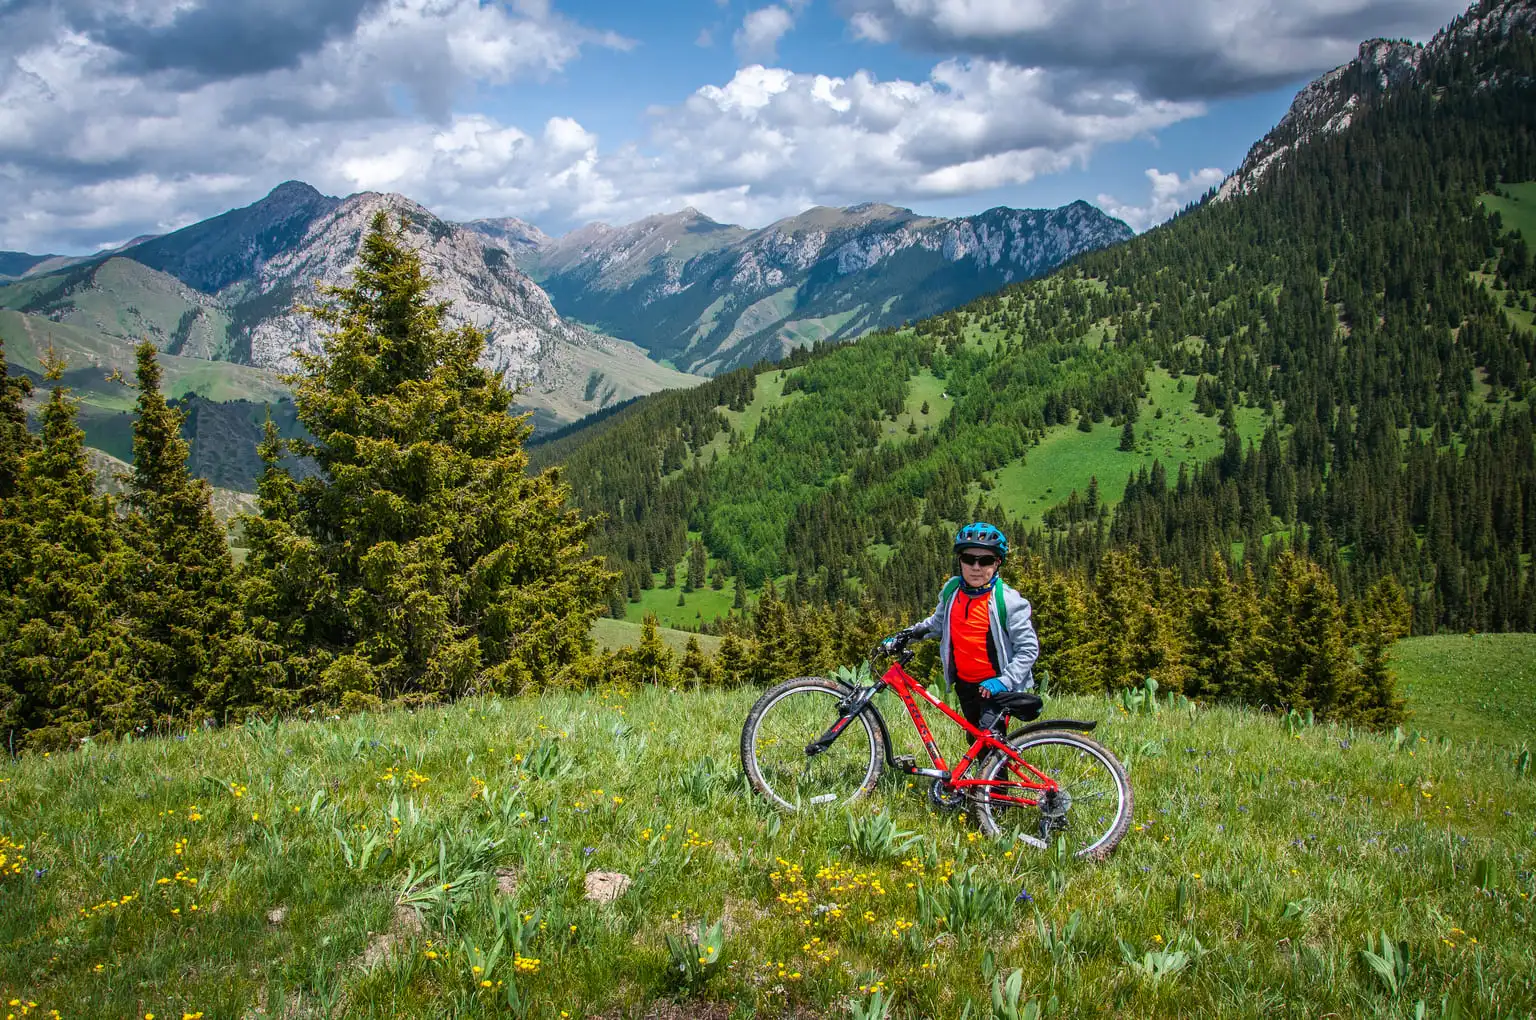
[[223, 290], [226, 404], [1348, 326], [125, 300]]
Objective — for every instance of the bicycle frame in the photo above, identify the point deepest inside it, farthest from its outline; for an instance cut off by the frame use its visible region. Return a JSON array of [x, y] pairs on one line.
[[908, 690]]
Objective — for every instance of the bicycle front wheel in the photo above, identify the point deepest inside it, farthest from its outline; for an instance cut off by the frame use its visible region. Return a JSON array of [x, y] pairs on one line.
[[1091, 807], [792, 715]]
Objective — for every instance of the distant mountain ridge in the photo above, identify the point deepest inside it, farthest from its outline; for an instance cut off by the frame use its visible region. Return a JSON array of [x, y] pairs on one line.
[[225, 289], [709, 296], [13, 264]]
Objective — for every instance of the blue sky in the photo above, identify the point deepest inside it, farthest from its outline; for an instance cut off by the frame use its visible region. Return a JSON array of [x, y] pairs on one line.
[[125, 117]]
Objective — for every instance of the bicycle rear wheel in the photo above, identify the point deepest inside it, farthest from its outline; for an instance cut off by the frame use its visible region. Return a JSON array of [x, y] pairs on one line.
[[1092, 808], [790, 716]]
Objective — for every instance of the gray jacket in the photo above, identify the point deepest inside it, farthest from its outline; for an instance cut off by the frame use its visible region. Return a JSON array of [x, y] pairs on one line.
[[1015, 645]]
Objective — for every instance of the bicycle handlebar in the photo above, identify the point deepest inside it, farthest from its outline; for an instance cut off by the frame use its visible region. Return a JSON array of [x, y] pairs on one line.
[[897, 650]]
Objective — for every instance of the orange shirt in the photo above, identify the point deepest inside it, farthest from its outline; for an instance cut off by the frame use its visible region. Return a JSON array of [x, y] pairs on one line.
[[970, 622]]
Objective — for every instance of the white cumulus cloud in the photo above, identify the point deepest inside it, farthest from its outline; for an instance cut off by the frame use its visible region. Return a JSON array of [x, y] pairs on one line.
[[1169, 194], [760, 32], [107, 130]]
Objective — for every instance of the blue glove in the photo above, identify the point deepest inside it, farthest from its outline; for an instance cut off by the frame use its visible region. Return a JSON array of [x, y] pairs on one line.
[[898, 639], [997, 685]]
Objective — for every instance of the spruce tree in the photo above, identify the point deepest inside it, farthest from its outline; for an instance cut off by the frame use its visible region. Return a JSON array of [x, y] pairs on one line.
[[181, 603], [698, 562], [15, 440], [1386, 616], [733, 660], [437, 565], [63, 654], [1222, 626], [696, 667], [1304, 660], [283, 575], [653, 660]]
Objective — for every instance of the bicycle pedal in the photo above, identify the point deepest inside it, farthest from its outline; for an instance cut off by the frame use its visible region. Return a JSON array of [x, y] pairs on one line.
[[905, 762]]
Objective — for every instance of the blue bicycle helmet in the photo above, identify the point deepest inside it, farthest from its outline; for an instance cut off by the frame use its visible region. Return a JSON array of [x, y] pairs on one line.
[[982, 535]]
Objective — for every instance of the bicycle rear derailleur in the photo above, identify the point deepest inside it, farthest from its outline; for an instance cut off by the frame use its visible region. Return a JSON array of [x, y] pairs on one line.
[[1054, 806]]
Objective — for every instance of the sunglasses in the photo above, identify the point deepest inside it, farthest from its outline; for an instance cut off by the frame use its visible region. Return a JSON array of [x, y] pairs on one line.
[[977, 561]]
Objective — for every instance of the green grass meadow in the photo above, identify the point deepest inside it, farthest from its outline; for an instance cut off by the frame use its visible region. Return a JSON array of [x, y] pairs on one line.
[[434, 863], [1068, 459], [1470, 687], [1518, 210], [611, 634]]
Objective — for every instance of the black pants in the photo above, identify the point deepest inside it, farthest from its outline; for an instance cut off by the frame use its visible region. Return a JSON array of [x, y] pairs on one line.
[[979, 711]]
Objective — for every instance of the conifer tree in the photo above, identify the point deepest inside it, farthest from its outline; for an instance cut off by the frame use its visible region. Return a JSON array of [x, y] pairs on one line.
[[1386, 616], [698, 562], [771, 644], [436, 566], [1223, 628], [63, 654], [15, 440], [181, 608], [282, 577], [1304, 659], [653, 660], [732, 660], [696, 668]]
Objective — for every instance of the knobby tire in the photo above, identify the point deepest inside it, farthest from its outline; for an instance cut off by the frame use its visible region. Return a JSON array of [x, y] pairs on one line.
[[988, 814], [792, 714]]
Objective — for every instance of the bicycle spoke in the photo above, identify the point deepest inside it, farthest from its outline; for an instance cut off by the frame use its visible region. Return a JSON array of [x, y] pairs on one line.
[[1089, 808], [778, 733]]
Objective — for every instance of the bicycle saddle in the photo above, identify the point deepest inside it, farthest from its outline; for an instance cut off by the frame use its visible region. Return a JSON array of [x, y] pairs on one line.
[[1024, 706]]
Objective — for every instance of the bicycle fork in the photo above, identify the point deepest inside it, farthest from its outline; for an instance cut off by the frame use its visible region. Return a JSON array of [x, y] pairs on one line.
[[851, 709]]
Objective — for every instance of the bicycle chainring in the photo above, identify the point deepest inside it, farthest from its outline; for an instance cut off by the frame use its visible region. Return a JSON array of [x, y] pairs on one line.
[[945, 797]]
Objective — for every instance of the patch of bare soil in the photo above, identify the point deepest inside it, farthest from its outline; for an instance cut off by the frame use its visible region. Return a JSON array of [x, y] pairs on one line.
[[606, 886], [383, 946]]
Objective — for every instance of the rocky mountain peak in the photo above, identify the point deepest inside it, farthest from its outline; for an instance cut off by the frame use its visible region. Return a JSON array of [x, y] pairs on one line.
[[1329, 104], [218, 252], [517, 235], [1332, 102], [293, 192], [525, 338], [714, 299]]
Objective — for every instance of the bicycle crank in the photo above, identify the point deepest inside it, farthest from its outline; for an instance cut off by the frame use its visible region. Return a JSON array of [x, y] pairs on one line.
[[945, 797]]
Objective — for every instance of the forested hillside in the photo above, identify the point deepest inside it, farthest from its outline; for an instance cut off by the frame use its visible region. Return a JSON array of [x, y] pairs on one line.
[[1357, 326]]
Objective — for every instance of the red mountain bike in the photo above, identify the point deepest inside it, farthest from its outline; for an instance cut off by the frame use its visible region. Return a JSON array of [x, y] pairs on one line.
[[812, 741]]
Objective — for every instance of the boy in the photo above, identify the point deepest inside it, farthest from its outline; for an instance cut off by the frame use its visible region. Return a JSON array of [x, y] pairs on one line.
[[987, 641]]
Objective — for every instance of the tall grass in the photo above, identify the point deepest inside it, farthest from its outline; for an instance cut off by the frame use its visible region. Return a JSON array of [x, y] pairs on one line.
[[435, 864]]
